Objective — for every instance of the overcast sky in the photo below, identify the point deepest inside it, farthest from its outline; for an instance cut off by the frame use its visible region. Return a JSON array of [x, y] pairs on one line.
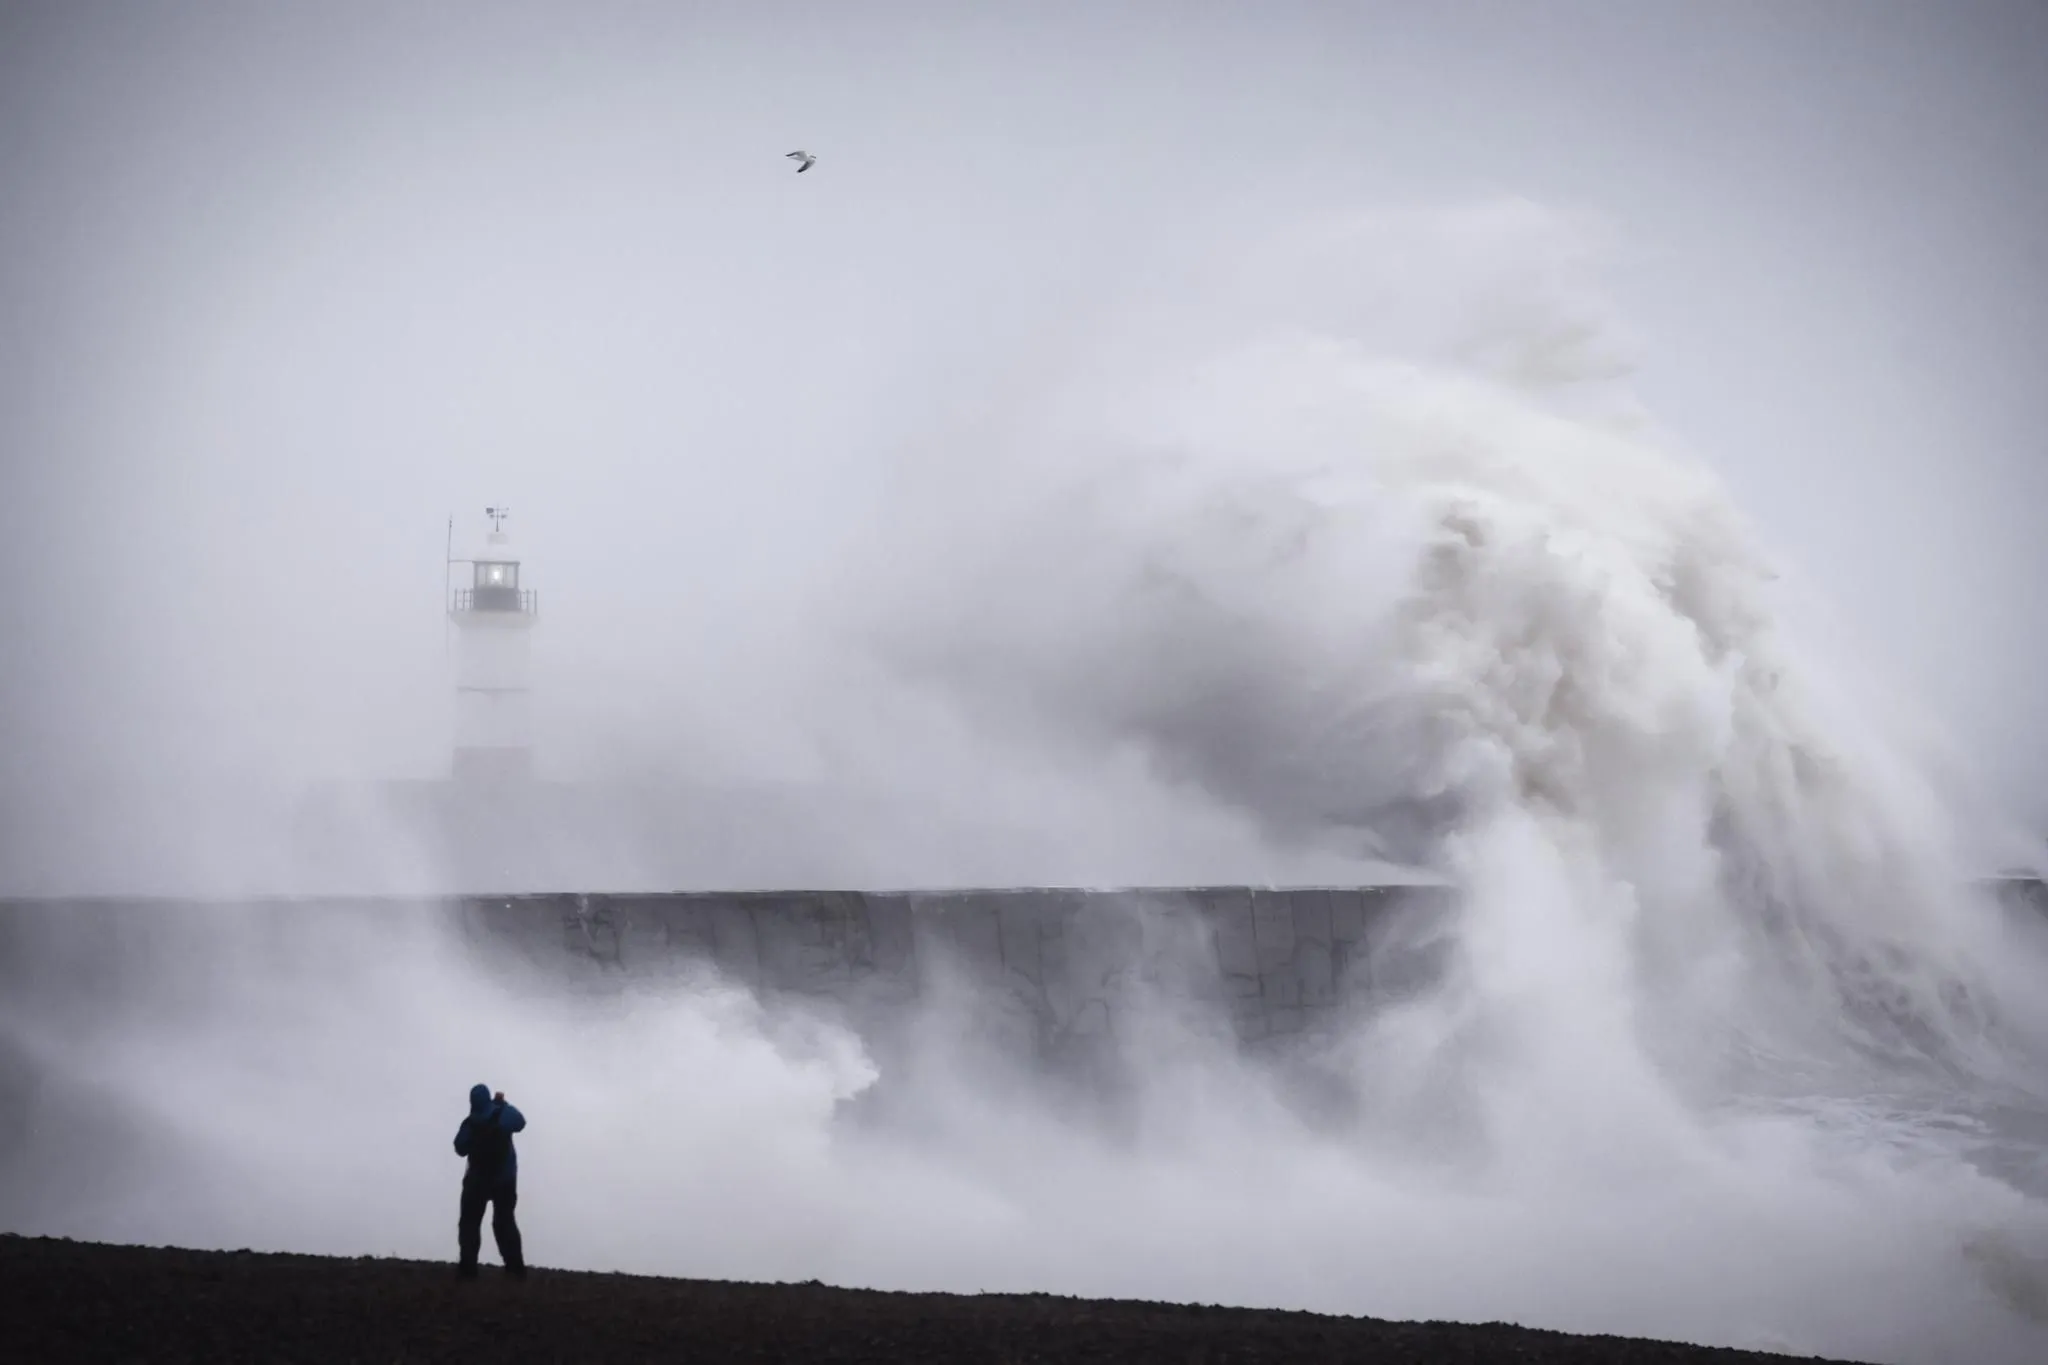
[[282, 286]]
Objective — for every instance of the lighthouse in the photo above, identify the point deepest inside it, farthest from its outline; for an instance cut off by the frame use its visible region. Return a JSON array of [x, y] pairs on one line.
[[493, 618]]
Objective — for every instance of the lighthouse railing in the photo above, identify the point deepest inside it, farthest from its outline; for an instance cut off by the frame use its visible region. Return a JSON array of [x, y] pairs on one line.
[[524, 601]]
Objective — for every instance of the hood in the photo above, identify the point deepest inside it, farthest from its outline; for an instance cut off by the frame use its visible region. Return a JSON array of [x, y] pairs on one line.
[[479, 1101]]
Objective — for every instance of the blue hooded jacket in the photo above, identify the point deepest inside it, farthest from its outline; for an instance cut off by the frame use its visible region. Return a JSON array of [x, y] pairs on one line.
[[485, 1111]]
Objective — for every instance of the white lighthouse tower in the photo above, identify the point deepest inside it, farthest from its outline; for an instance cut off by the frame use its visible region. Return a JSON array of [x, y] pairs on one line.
[[493, 618]]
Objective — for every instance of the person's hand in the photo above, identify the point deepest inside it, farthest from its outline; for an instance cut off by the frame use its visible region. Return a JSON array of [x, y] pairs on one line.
[[501, 1097]]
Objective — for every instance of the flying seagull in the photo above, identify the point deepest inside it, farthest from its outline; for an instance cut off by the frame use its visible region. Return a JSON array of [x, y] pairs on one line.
[[804, 157]]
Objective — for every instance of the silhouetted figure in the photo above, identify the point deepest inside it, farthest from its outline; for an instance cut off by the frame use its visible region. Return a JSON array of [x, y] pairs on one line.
[[485, 1137]]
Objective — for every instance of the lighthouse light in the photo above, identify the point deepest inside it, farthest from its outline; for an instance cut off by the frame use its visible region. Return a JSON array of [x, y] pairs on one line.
[[496, 574]]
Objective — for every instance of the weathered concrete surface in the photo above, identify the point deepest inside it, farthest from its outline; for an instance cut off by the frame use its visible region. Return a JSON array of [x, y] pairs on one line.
[[1281, 960], [1066, 963], [2022, 894]]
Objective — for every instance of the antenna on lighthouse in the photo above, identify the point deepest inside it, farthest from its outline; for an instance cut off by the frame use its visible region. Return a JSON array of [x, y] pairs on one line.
[[497, 516], [447, 584]]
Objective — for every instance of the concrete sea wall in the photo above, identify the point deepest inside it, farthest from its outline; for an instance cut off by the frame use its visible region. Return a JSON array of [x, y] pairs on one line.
[[1280, 961], [1064, 963]]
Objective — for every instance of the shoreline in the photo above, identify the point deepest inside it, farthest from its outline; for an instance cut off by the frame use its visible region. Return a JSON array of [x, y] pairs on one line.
[[92, 1301]]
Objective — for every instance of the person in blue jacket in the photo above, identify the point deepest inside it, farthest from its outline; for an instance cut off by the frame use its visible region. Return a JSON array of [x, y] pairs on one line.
[[492, 1178]]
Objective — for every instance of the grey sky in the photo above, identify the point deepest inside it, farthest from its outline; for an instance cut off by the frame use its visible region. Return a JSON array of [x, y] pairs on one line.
[[284, 285]]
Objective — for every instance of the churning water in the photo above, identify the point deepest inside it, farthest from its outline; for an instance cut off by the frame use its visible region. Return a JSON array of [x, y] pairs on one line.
[[1368, 539]]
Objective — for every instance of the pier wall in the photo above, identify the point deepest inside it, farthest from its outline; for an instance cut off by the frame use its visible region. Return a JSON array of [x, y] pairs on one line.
[[1281, 960]]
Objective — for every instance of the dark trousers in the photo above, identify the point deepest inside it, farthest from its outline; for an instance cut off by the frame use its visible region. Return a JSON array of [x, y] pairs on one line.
[[469, 1233]]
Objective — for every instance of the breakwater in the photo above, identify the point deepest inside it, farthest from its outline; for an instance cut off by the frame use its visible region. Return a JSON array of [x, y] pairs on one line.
[[1279, 960]]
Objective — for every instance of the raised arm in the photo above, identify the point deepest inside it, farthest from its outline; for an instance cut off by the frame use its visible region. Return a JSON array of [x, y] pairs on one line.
[[510, 1119]]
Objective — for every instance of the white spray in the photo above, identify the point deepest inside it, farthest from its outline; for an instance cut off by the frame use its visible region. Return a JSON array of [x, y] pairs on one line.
[[1371, 543]]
